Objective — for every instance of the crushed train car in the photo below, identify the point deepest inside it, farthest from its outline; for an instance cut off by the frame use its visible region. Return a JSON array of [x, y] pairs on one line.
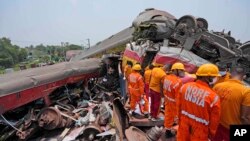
[[158, 37]]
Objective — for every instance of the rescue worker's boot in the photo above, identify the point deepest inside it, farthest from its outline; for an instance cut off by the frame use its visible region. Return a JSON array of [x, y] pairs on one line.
[[169, 134], [149, 117], [131, 112], [136, 115], [146, 115]]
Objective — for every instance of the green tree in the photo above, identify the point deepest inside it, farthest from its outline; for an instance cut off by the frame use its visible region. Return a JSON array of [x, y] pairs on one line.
[[23, 53], [8, 52], [73, 47]]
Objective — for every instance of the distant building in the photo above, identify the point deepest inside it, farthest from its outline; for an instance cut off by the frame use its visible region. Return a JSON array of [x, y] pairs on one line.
[[72, 53]]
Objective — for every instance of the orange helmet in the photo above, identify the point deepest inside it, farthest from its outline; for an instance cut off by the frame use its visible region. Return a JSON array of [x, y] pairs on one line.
[[208, 70]]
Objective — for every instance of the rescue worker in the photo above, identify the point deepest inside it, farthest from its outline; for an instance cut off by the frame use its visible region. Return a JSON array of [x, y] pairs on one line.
[[144, 106], [155, 91], [147, 76], [235, 103], [171, 86], [136, 87], [225, 75], [128, 69], [199, 107]]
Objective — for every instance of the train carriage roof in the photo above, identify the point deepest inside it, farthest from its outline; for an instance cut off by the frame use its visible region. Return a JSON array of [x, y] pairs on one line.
[[25, 79]]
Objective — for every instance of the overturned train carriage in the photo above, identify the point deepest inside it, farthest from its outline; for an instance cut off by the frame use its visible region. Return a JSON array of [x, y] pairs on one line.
[[157, 36], [25, 86], [65, 101]]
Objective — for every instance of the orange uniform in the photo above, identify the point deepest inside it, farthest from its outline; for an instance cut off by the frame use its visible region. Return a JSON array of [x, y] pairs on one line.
[[171, 86], [155, 91], [233, 94], [147, 76], [136, 88], [157, 76], [223, 78], [127, 71], [145, 107], [199, 112]]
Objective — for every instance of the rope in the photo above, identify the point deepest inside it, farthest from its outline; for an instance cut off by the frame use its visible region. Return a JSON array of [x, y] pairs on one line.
[[11, 124]]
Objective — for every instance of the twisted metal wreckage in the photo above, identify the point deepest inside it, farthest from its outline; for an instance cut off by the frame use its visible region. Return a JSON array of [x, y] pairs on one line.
[[72, 101]]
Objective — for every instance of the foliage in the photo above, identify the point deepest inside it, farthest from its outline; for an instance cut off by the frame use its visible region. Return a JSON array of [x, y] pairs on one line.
[[53, 52], [117, 49], [10, 54]]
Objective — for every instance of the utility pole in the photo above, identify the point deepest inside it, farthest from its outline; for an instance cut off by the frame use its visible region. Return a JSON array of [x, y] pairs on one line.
[[86, 45], [63, 50], [88, 42]]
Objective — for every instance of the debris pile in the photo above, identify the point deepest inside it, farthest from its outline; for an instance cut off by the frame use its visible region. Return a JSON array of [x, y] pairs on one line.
[[92, 113], [76, 114]]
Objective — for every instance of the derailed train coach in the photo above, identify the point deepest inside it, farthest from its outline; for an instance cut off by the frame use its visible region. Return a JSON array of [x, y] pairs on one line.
[[68, 101], [162, 39], [43, 99]]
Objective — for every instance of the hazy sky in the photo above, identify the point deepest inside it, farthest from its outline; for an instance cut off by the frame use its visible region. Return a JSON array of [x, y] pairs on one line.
[[28, 22]]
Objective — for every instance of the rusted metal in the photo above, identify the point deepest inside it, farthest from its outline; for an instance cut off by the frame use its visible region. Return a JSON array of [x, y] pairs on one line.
[[27, 133], [154, 133], [90, 132], [134, 133], [51, 118], [74, 133], [202, 23], [105, 114], [29, 127], [120, 118]]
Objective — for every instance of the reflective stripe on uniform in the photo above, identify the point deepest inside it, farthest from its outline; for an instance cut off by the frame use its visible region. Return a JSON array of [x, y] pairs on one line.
[[200, 120], [181, 88], [177, 84], [132, 78], [214, 101], [170, 99]]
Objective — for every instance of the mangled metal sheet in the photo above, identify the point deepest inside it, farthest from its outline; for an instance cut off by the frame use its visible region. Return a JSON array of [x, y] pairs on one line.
[[134, 133], [120, 118], [151, 14], [189, 59], [22, 80]]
